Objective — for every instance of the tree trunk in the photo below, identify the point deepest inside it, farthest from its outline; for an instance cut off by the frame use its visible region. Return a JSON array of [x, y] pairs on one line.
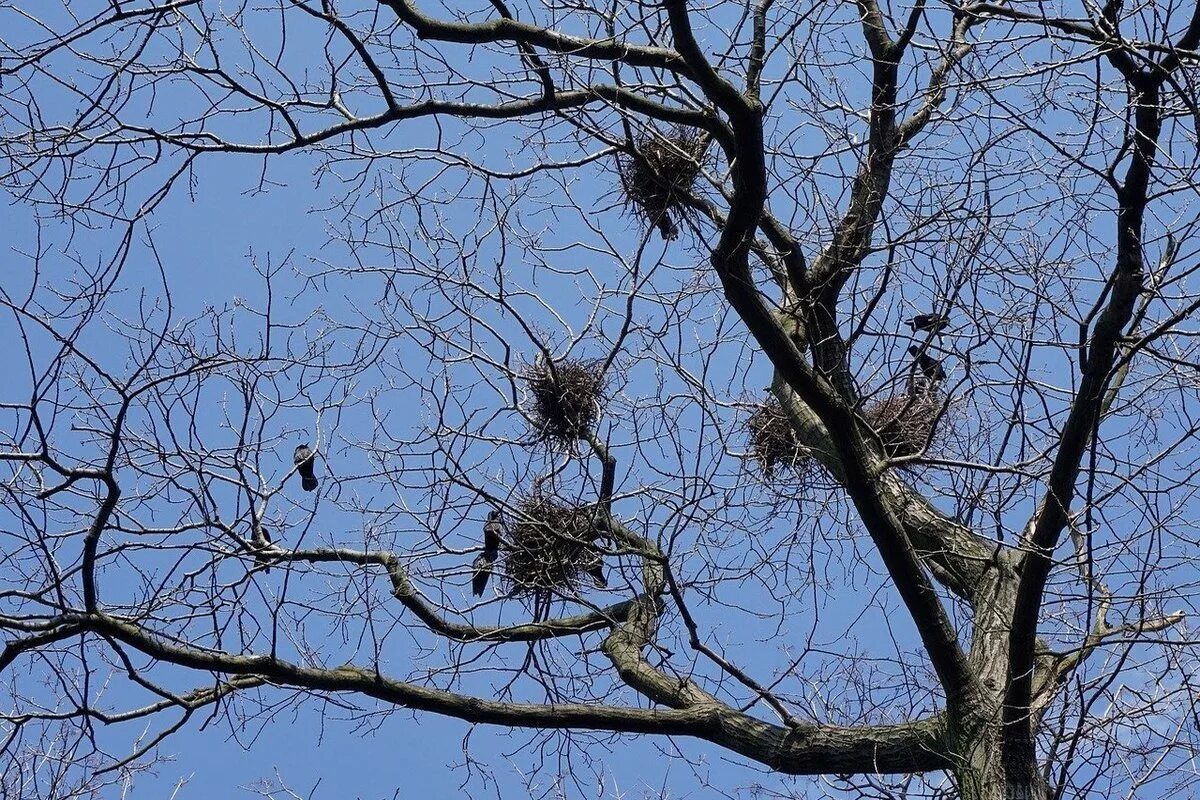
[[989, 773]]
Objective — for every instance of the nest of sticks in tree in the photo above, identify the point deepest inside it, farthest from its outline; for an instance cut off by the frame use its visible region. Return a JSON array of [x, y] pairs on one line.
[[550, 546], [661, 174], [906, 422], [774, 443], [567, 399]]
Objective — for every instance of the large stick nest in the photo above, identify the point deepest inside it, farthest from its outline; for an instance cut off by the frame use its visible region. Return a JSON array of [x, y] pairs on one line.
[[567, 399], [906, 422], [550, 546], [661, 174], [774, 443]]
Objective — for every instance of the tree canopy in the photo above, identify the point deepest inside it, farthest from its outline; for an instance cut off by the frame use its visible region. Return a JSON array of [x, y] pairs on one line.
[[825, 375]]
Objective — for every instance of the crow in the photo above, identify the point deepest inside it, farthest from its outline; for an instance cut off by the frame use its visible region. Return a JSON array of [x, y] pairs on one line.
[[492, 530], [667, 227], [597, 573], [930, 367], [933, 323], [305, 460], [261, 540]]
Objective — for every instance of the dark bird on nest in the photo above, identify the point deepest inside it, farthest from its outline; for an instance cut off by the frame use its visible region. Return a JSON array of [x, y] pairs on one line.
[[931, 323], [668, 229], [261, 540], [493, 529], [306, 460], [930, 367]]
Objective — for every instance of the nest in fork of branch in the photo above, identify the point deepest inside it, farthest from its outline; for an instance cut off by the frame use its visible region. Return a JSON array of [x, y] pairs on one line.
[[661, 174], [774, 443], [567, 397], [550, 547], [907, 422]]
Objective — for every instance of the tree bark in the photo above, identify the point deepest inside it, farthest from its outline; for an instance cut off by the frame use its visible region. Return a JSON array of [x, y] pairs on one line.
[[990, 773]]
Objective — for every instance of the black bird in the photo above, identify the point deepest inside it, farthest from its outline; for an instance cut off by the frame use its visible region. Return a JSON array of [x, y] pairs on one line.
[[932, 323], [305, 460], [597, 573], [261, 540], [492, 531], [930, 367], [667, 227]]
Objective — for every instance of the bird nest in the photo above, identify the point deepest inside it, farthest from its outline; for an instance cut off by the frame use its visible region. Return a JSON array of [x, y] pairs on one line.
[[566, 399], [550, 546], [906, 423], [661, 174], [774, 443]]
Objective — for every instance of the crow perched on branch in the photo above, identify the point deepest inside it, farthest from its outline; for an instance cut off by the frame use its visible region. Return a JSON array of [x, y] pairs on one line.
[[930, 367], [493, 529], [930, 323], [261, 540], [597, 573], [305, 460]]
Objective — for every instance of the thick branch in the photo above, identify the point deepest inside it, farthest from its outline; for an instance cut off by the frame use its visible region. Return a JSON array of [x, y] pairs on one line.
[[957, 556], [802, 750], [862, 466], [1045, 529], [511, 30], [404, 591]]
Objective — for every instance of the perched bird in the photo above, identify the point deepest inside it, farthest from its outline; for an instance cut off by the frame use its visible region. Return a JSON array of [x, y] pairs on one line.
[[667, 227], [931, 323], [930, 367], [493, 529], [483, 570], [597, 573], [305, 460], [261, 540]]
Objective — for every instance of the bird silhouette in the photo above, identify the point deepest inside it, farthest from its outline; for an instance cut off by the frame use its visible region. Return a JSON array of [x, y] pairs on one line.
[[931, 323], [493, 529], [261, 540], [305, 460], [597, 572], [930, 367], [667, 227]]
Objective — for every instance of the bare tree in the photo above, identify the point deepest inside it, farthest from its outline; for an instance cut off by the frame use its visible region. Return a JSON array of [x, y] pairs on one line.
[[1006, 483]]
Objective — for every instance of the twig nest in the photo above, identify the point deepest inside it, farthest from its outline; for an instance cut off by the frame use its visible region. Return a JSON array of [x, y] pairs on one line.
[[905, 422], [567, 397], [774, 443], [550, 547], [661, 174]]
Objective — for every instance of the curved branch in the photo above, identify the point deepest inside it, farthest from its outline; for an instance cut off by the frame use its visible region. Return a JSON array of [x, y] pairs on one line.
[[506, 29], [204, 142], [1044, 530], [803, 750], [404, 591]]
